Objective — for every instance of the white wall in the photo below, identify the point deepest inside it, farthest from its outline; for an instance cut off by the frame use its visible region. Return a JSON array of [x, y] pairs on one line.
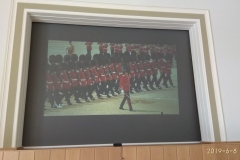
[[226, 35]]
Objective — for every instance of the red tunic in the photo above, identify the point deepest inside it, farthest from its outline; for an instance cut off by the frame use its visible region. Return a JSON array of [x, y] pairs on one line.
[[141, 69], [154, 68], [88, 77], [95, 74], [49, 82], [119, 69], [131, 69], [108, 75], [65, 80], [113, 71], [125, 83], [162, 65], [147, 68], [101, 74], [56, 82], [136, 72], [82, 78], [73, 78]]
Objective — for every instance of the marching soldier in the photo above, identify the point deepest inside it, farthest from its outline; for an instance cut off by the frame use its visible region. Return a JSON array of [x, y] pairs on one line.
[[73, 78], [125, 86], [89, 80], [82, 81], [148, 71], [103, 86], [96, 78]]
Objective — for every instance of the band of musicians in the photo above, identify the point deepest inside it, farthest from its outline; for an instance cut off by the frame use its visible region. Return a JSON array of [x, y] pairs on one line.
[[118, 68]]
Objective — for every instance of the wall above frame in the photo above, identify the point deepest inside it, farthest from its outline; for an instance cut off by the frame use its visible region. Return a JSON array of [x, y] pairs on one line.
[[197, 22]]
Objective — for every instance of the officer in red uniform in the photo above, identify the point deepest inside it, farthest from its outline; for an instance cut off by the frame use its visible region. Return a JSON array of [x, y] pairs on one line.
[[125, 86]]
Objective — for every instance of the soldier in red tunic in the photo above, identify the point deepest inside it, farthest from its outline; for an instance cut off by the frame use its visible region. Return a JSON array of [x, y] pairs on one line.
[[56, 81], [89, 79], [82, 81], [125, 85], [96, 78], [142, 73], [148, 71], [114, 75], [154, 65], [66, 85], [73, 77], [50, 88], [101, 73], [168, 66], [108, 77]]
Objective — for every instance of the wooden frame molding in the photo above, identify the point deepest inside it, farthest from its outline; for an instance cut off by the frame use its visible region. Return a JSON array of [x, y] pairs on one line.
[[197, 22]]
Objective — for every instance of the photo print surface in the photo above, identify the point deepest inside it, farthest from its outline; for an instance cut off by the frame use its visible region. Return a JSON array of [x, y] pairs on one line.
[[106, 78]]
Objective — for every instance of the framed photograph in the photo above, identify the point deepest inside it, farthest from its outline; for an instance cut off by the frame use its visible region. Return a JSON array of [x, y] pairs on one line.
[[164, 57]]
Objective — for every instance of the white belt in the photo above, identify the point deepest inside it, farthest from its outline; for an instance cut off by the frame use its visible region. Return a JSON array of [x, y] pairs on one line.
[[83, 79]]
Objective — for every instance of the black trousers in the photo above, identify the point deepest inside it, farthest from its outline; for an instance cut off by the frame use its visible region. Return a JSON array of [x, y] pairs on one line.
[[66, 94], [126, 97], [96, 88], [141, 80], [162, 77], [154, 80], [90, 90], [168, 78]]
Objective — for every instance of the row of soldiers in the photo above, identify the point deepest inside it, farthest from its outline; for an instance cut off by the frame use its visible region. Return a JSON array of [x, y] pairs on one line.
[[81, 76]]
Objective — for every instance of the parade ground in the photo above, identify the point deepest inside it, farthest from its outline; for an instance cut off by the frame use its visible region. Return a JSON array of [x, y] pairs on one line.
[[159, 101]]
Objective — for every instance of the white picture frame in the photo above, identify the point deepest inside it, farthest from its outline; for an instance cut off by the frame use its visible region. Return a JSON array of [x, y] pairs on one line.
[[197, 22]]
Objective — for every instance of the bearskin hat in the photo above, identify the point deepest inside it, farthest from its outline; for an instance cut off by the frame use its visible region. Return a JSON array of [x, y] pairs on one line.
[[52, 59], [74, 57], [66, 58], [88, 57], [82, 57], [96, 57], [59, 58]]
